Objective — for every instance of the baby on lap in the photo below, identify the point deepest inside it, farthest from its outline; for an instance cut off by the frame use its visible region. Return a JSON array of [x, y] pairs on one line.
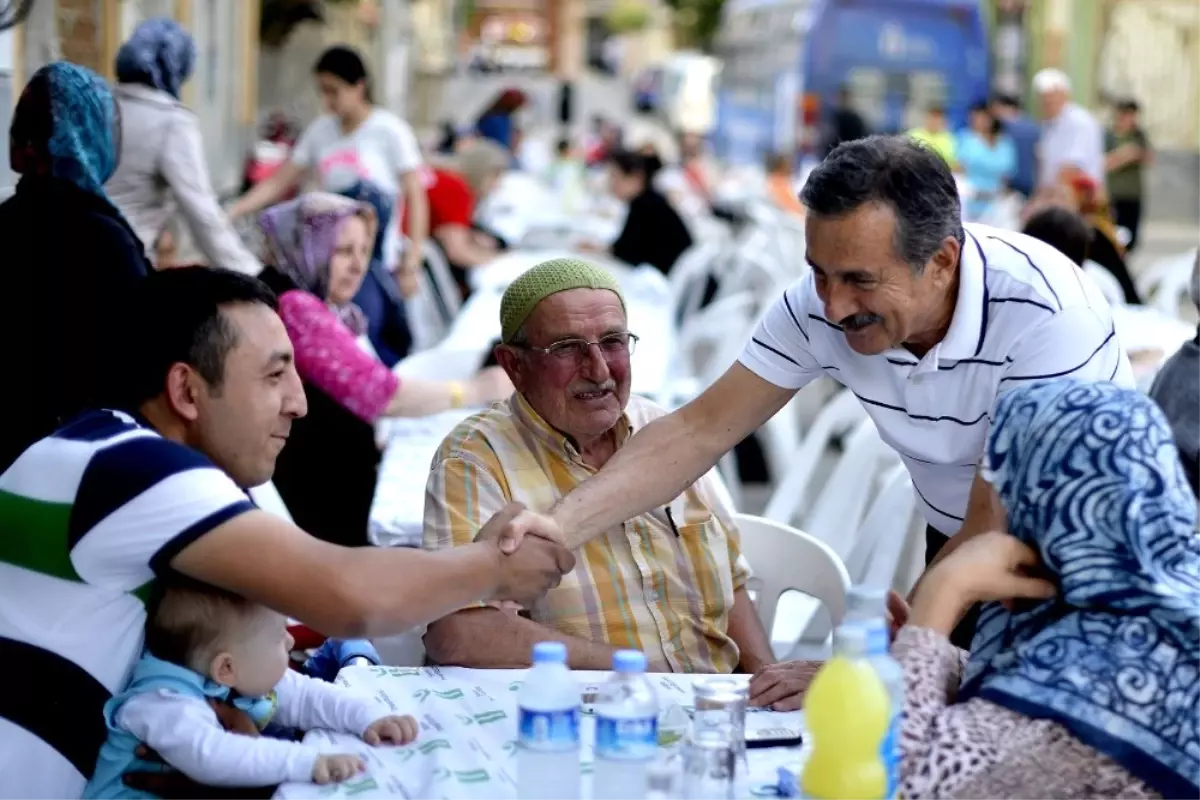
[[204, 644]]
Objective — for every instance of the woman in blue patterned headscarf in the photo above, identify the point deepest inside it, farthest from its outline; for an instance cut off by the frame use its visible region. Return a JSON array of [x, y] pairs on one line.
[[65, 127], [67, 249], [1095, 691]]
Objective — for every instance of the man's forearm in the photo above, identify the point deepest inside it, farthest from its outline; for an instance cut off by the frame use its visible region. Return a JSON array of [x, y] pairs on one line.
[[489, 638], [651, 470], [746, 630], [400, 588]]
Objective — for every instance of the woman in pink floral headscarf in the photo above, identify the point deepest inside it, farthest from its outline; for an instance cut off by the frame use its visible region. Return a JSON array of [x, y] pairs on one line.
[[317, 249]]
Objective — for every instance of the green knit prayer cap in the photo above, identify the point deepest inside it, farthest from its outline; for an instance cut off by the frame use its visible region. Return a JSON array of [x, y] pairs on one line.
[[549, 277]]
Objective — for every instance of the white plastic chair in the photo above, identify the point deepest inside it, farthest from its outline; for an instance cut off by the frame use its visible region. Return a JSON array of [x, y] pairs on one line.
[[443, 279], [267, 498], [840, 507], [791, 492], [874, 560], [1167, 282], [1109, 286], [713, 338], [689, 278], [786, 559]]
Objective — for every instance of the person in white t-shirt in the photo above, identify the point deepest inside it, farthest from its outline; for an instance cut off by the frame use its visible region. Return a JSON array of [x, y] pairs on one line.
[[354, 141]]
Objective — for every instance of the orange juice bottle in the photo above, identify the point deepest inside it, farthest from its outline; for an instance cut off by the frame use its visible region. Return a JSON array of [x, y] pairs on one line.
[[846, 712]]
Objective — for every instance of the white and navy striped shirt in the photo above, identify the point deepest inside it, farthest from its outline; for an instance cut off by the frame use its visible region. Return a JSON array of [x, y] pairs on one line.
[[89, 517], [1024, 312]]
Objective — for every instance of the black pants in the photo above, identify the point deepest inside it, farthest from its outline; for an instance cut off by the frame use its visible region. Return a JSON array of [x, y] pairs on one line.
[[1128, 215], [965, 632]]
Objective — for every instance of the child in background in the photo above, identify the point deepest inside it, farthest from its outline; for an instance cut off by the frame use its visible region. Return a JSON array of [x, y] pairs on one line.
[[204, 643]]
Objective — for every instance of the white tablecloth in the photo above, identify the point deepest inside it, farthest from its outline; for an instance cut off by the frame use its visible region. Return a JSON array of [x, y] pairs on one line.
[[398, 507], [468, 742]]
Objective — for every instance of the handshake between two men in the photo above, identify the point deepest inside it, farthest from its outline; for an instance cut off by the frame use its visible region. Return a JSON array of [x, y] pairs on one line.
[[531, 553]]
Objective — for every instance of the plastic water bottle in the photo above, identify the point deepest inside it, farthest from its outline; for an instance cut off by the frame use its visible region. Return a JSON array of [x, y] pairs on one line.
[[548, 727], [626, 730], [867, 607]]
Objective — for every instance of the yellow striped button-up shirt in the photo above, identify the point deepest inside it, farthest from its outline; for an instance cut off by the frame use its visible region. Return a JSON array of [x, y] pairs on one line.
[[662, 583]]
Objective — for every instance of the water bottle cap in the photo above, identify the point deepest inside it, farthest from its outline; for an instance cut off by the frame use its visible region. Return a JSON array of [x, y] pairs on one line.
[[549, 653], [629, 661]]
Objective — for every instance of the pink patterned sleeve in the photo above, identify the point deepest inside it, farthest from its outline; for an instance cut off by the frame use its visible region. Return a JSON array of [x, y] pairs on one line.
[[328, 357]]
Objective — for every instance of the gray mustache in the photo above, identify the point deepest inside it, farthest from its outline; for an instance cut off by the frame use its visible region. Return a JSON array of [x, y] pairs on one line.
[[856, 322]]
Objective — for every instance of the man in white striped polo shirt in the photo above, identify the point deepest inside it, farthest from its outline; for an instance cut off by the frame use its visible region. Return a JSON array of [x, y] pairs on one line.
[[926, 320], [94, 514]]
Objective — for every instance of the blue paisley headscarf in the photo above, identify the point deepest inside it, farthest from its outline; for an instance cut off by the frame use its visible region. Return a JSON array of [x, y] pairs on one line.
[[160, 54], [1090, 478], [64, 127]]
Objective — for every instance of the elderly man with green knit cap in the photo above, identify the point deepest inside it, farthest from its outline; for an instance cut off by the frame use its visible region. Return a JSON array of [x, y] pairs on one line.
[[670, 583]]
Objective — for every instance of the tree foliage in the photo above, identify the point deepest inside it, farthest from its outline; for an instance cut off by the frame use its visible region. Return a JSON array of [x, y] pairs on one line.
[[698, 20]]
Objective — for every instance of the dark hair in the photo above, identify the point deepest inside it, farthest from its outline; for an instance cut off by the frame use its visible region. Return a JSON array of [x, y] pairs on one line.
[[1062, 229], [914, 181], [1003, 99], [634, 163], [982, 108], [344, 63], [173, 317], [1127, 106], [563, 147], [936, 110]]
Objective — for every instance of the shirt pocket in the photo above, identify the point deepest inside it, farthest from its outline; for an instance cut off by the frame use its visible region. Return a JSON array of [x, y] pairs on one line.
[[709, 574]]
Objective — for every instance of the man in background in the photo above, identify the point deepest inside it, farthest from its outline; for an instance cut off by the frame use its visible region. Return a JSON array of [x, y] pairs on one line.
[[1071, 135], [1128, 153], [1024, 133]]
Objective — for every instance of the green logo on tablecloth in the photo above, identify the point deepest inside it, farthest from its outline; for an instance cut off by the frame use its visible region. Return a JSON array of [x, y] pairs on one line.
[[490, 716], [450, 694], [421, 695], [587, 768], [472, 776], [395, 672], [404, 755], [348, 788], [440, 774], [515, 686], [512, 747], [436, 744]]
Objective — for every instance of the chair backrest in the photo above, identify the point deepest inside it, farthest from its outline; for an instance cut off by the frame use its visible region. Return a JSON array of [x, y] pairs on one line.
[[875, 557], [791, 493], [714, 337], [443, 279], [786, 559], [1109, 286], [689, 278], [267, 498], [1167, 282], [840, 507]]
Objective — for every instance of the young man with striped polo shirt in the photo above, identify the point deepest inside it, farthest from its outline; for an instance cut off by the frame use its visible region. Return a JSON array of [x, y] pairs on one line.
[[92, 515], [926, 320]]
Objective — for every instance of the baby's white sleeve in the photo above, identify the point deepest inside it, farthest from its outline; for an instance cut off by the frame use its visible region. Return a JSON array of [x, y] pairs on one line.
[[307, 703], [186, 734]]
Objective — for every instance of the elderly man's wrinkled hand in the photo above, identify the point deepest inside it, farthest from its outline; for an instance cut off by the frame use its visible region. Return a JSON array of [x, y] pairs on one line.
[[514, 522], [781, 687]]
